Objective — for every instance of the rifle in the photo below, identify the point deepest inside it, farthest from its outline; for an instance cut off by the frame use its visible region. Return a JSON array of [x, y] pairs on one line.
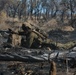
[[43, 35], [3, 31], [9, 31]]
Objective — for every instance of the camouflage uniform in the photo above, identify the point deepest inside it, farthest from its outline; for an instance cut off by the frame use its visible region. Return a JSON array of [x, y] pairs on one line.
[[16, 39], [13, 38], [9, 40], [32, 39]]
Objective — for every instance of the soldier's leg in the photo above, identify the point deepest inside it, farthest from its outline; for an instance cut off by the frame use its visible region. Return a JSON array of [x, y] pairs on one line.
[[30, 39]]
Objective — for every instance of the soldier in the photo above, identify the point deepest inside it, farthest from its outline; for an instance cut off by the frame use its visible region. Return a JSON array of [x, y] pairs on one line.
[[13, 38], [16, 39], [32, 39]]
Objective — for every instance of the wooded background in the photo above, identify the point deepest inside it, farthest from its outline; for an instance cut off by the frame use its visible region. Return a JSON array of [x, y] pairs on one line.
[[39, 9]]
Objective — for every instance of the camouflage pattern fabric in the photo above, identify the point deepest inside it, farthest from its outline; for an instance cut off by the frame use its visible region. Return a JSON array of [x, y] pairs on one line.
[[9, 40], [14, 39], [33, 40]]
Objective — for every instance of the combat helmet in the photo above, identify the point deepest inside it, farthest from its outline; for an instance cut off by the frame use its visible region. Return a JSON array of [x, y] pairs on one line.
[[27, 25]]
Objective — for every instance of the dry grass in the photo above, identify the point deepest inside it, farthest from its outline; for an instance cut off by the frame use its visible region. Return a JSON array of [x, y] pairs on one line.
[[3, 26], [32, 67], [67, 28], [52, 24], [3, 16], [7, 22], [66, 45]]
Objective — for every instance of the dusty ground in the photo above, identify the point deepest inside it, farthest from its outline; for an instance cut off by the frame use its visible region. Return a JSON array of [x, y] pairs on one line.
[[10, 68], [36, 68], [14, 67]]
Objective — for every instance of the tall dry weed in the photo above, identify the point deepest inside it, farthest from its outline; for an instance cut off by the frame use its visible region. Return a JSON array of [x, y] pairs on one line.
[[3, 16]]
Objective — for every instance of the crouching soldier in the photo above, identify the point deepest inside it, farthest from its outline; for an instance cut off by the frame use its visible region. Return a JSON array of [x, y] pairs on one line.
[[16, 39], [13, 38], [32, 39]]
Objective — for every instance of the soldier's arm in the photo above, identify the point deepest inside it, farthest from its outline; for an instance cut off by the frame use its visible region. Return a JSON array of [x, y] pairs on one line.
[[21, 33], [10, 31]]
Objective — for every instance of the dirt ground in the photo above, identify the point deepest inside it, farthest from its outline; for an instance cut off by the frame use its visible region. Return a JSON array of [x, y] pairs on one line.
[[37, 68], [25, 68]]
